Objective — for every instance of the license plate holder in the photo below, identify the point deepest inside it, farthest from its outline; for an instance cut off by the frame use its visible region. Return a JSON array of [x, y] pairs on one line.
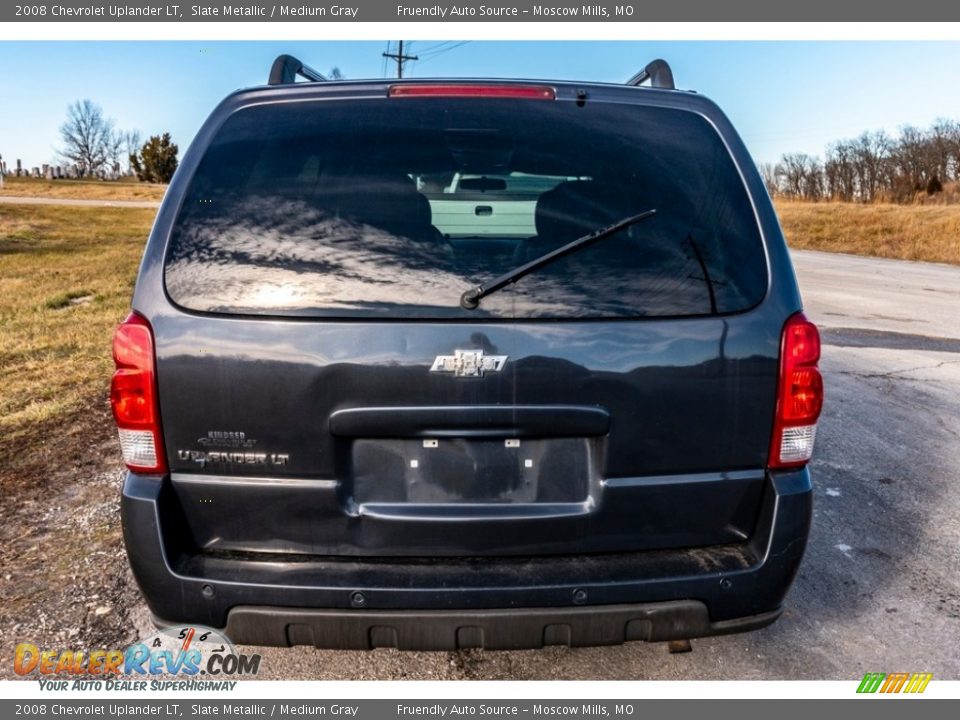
[[470, 470]]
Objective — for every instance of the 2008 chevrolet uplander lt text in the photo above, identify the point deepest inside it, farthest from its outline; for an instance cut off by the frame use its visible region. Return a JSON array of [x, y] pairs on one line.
[[444, 364]]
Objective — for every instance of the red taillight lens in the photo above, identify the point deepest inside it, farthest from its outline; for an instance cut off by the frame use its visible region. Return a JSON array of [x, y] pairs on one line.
[[133, 396], [804, 396], [799, 394], [468, 90], [801, 341], [130, 396]]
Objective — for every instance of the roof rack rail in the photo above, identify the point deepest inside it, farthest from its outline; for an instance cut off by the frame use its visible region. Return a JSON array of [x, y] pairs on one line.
[[659, 74], [286, 68]]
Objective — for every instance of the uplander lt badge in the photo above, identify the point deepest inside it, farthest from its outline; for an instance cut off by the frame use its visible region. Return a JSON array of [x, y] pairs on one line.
[[202, 457], [468, 363]]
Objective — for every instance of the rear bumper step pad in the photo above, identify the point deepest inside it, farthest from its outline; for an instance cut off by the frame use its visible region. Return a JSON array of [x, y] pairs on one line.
[[514, 629]]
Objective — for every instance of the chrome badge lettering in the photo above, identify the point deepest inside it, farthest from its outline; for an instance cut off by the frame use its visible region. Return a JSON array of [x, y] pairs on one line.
[[203, 457], [226, 439], [468, 363]]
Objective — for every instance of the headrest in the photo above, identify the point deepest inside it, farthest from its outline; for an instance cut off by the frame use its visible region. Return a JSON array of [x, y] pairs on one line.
[[391, 203], [577, 207]]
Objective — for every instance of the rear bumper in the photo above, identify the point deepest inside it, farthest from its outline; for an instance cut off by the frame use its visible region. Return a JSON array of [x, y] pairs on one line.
[[447, 603], [514, 629]]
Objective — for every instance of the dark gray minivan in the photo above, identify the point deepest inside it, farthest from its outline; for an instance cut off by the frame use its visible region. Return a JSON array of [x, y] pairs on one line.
[[439, 364]]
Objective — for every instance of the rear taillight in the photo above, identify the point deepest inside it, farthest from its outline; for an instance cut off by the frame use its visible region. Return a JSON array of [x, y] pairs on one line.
[[799, 394], [133, 396], [471, 90]]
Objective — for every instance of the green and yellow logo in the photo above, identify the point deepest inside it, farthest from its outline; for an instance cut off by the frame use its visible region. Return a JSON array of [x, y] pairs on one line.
[[894, 682]]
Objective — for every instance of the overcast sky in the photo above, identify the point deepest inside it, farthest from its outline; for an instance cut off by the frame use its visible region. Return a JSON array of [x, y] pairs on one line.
[[782, 96]]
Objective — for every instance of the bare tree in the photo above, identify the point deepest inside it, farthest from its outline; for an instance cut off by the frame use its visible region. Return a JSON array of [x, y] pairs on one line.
[[839, 176], [909, 156], [871, 153], [873, 166], [943, 148], [115, 150], [89, 140], [768, 171], [799, 176], [131, 146], [813, 186]]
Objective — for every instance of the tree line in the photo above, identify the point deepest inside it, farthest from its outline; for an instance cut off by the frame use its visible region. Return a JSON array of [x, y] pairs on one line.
[[874, 167], [93, 145]]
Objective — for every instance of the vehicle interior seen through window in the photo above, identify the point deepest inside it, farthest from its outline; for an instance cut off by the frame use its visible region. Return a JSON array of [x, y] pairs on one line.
[[398, 210]]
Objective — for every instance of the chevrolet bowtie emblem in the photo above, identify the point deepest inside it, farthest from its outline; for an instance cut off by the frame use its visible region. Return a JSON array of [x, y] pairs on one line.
[[468, 363]]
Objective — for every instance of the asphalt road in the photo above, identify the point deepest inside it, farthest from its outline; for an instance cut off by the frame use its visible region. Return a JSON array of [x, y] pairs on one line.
[[879, 589]]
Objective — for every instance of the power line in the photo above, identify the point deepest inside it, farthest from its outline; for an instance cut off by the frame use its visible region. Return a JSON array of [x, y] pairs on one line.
[[436, 46], [440, 51], [400, 58], [443, 47]]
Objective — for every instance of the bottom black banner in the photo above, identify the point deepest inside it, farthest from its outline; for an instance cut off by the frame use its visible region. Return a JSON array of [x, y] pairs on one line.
[[784, 709]]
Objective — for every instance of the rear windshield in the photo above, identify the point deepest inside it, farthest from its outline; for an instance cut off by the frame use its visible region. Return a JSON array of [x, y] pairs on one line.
[[392, 208]]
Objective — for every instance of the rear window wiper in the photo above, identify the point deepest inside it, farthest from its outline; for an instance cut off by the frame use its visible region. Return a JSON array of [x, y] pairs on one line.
[[472, 297], [706, 274]]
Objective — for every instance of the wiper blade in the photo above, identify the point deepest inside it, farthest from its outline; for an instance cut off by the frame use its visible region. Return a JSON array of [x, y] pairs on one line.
[[470, 299], [706, 274]]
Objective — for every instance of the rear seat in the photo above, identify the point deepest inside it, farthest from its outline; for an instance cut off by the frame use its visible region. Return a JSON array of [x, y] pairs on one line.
[[570, 210], [390, 203]]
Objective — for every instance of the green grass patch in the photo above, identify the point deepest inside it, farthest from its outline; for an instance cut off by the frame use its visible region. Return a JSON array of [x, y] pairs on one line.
[[63, 300]]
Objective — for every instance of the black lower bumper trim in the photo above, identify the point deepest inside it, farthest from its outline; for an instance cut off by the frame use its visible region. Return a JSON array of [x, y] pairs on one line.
[[508, 629], [469, 602]]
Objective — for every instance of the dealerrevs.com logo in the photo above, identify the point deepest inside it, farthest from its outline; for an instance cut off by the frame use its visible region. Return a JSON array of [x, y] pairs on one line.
[[187, 657]]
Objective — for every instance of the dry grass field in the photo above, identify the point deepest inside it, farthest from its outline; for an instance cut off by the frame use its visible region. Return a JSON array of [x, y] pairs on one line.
[[81, 189], [907, 232], [66, 276]]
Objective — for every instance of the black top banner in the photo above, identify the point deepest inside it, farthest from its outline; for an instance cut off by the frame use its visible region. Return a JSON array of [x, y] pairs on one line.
[[495, 11]]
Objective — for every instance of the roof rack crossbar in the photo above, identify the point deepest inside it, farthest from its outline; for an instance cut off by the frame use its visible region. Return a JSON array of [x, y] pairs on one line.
[[286, 68], [659, 74]]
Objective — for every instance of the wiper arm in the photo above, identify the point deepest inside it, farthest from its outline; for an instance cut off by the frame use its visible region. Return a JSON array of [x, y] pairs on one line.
[[706, 274], [472, 297]]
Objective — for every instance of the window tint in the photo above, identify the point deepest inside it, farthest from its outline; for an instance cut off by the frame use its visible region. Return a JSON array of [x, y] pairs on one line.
[[393, 207]]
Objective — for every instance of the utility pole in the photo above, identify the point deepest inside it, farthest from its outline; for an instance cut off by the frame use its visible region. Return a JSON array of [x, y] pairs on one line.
[[400, 58]]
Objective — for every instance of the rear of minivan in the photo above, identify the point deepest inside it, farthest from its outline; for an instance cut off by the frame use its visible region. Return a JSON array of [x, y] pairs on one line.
[[327, 446]]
